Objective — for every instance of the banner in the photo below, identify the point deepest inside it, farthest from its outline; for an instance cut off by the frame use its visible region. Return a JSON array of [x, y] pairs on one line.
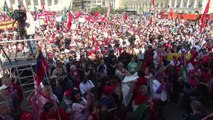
[[7, 25], [178, 55]]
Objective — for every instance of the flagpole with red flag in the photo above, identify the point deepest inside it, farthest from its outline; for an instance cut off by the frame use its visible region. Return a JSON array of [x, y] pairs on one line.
[[69, 23], [162, 15], [41, 71], [4, 16], [203, 18], [43, 7], [171, 13], [41, 67]]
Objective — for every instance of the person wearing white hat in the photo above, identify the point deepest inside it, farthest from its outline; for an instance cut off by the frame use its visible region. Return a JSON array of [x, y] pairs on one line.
[[9, 100]]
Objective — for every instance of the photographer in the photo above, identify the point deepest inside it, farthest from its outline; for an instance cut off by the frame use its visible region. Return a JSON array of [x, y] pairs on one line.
[[20, 16]]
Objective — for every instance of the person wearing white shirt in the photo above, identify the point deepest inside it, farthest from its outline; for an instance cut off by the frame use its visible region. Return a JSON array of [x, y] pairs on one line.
[[85, 86]]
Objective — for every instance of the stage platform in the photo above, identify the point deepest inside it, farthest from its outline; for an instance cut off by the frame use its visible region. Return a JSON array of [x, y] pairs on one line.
[[22, 59], [18, 53]]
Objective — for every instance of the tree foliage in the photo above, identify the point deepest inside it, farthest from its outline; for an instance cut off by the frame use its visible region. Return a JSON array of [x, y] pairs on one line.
[[118, 11], [101, 10]]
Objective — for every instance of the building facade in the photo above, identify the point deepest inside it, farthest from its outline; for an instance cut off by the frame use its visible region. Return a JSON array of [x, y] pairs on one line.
[[52, 5], [180, 6], [88, 4]]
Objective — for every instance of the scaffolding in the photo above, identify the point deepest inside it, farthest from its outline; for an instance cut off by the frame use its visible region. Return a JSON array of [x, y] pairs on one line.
[[19, 65]]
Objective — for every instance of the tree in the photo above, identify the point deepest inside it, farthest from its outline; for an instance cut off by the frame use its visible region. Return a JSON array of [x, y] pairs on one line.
[[119, 11], [101, 10]]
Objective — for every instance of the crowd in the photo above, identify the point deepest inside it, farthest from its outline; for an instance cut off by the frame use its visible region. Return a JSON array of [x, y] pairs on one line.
[[88, 62]]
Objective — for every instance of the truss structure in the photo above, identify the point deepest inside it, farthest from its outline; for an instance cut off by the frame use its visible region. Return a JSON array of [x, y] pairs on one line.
[[22, 69]]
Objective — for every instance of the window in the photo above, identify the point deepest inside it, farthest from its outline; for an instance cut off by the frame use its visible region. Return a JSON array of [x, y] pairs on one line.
[[200, 4], [191, 4], [178, 5], [12, 2], [35, 2], [173, 4], [161, 5], [157, 5], [185, 4], [28, 2]]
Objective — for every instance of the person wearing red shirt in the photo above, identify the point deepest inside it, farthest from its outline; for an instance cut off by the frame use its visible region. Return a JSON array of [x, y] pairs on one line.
[[194, 53], [51, 112], [140, 82]]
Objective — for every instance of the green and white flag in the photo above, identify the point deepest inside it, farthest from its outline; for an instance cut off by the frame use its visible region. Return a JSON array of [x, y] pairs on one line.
[[5, 8], [64, 17]]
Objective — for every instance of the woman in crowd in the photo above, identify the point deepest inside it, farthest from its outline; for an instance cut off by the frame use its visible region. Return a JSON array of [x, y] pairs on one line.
[[102, 69], [80, 106], [56, 87], [75, 75], [107, 99], [121, 72], [132, 66], [52, 112]]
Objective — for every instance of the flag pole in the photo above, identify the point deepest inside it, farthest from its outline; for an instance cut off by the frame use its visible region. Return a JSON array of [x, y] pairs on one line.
[[48, 81]]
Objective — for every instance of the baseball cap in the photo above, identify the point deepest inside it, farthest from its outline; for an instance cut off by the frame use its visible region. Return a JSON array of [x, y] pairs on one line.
[[3, 87]]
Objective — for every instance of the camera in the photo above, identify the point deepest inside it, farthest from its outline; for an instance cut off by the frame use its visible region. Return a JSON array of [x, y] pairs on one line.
[[19, 15]]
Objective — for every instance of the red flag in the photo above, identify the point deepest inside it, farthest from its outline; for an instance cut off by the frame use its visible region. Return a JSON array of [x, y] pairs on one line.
[[77, 15], [153, 2], [162, 15], [93, 39], [69, 23], [103, 19], [203, 18], [107, 41], [171, 12], [43, 6], [125, 16], [88, 18], [151, 21], [41, 68], [139, 32], [5, 17], [46, 20], [96, 14]]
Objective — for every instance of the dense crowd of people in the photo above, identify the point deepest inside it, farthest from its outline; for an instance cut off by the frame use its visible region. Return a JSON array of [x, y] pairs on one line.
[[88, 62]]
